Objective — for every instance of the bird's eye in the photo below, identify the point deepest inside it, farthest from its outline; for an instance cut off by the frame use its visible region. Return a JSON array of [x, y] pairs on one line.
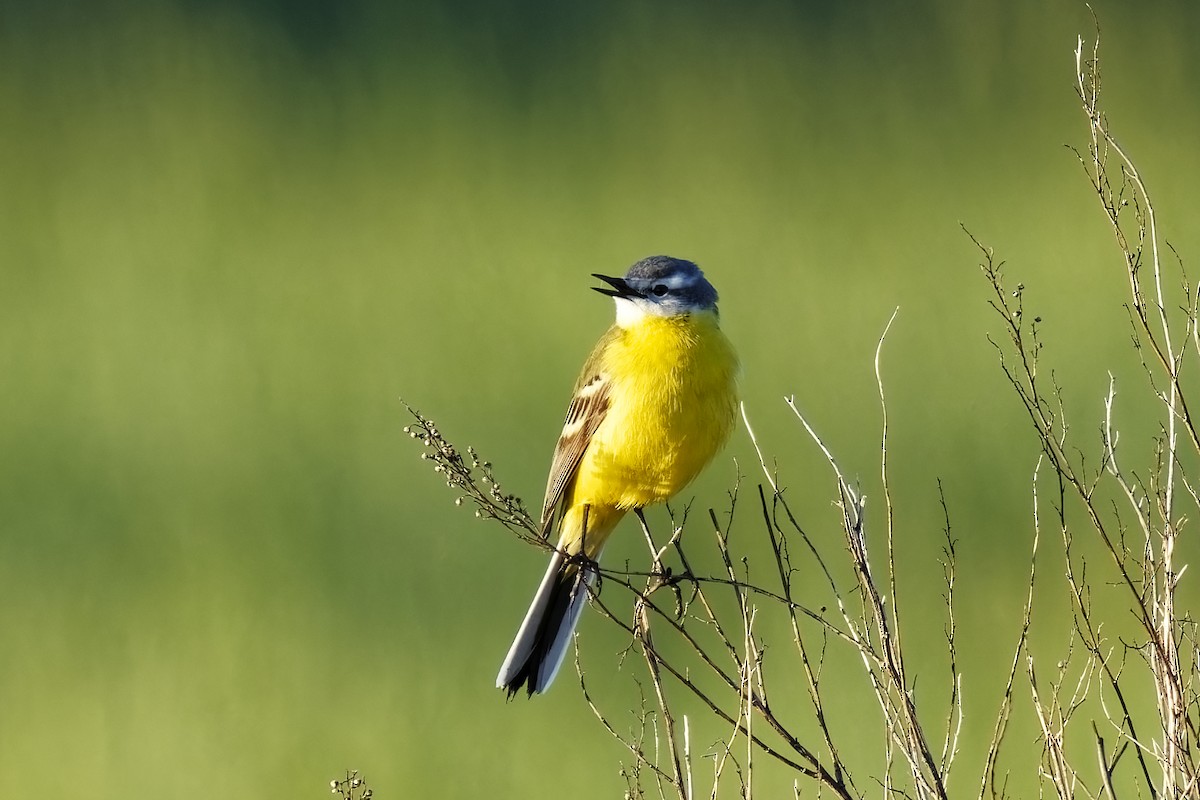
[[660, 289]]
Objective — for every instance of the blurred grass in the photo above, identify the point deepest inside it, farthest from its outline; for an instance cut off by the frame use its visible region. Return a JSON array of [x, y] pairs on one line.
[[232, 234]]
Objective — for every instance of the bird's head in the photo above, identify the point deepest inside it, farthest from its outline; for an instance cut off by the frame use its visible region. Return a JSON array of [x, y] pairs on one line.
[[659, 286]]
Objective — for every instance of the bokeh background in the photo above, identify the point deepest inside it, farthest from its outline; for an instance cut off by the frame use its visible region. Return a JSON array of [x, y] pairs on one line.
[[234, 233]]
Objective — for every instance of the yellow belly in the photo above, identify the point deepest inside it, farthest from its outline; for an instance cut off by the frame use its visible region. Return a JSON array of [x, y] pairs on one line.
[[672, 406]]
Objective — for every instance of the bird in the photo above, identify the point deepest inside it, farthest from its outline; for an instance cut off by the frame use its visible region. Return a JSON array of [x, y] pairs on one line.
[[654, 403]]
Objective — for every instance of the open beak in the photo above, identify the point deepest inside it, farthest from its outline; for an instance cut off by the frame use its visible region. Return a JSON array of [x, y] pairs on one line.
[[619, 287]]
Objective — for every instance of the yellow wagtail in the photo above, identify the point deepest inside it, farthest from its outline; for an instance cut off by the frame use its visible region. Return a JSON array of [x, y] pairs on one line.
[[655, 401]]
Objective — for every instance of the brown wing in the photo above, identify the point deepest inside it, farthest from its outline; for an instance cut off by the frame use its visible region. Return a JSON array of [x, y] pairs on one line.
[[589, 404]]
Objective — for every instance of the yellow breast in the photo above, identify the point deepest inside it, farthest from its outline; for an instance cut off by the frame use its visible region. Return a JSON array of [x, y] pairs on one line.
[[672, 396]]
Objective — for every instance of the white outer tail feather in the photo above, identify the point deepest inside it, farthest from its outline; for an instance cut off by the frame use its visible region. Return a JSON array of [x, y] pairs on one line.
[[543, 674]]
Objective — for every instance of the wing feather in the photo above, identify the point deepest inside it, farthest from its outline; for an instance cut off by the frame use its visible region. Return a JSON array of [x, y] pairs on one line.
[[589, 405]]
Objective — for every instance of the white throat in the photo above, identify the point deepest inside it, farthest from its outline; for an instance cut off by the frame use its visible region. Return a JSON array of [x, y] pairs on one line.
[[629, 313]]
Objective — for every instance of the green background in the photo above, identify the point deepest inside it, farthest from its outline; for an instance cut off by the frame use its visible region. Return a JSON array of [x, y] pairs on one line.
[[233, 234]]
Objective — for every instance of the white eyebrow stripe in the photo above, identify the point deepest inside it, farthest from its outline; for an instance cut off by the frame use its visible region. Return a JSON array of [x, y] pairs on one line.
[[676, 280]]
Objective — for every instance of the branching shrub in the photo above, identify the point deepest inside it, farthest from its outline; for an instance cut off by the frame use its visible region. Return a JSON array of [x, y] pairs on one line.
[[715, 667]]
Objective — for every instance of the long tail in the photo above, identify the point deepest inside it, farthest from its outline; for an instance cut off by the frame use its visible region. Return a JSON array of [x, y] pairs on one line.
[[542, 642]]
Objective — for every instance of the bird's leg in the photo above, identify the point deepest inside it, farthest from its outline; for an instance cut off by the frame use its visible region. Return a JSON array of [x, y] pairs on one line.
[[582, 559], [662, 575], [587, 509], [662, 572]]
